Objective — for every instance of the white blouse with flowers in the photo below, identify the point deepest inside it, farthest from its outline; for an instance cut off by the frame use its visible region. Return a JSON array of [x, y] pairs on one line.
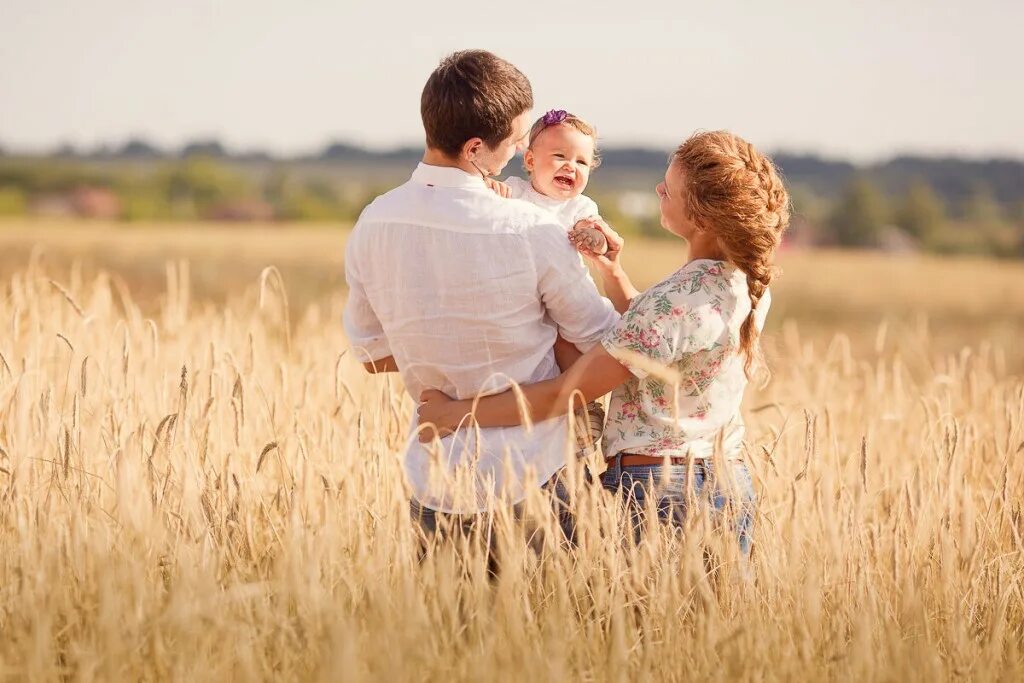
[[690, 323]]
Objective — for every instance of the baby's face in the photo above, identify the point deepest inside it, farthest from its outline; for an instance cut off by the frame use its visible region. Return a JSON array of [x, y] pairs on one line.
[[559, 161]]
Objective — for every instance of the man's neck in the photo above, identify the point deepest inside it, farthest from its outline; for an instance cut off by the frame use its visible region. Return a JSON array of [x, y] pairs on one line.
[[433, 157]]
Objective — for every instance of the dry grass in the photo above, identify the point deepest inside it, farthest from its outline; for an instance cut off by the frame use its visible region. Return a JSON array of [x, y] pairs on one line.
[[181, 497]]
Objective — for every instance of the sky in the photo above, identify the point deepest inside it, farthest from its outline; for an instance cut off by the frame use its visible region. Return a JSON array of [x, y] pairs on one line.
[[857, 80]]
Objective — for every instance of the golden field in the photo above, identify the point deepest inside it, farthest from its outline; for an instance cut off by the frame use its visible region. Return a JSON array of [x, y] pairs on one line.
[[197, 482]]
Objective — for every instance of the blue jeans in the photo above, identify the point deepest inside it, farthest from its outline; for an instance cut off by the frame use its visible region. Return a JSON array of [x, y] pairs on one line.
[[667, 486]]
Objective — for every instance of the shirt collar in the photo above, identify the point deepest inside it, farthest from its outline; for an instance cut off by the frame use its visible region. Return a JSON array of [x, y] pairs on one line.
[[446, 176], [542, 199]]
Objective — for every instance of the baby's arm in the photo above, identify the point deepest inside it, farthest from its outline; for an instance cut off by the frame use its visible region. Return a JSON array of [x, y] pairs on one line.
[[617, 285], [583, 234]]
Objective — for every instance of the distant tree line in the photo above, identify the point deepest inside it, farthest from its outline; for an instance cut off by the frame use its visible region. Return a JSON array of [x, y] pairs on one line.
[[919, 218], [196, 187], [941, 205]]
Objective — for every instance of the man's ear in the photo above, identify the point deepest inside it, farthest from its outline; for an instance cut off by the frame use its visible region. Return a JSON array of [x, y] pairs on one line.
[[472, 147]]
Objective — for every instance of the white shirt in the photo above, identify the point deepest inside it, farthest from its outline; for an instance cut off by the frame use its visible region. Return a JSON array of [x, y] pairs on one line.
[[468, 292], [567, 211], [689, 323]]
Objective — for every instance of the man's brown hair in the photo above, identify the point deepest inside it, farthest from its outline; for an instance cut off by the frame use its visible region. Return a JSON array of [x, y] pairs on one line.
[[472, 93]]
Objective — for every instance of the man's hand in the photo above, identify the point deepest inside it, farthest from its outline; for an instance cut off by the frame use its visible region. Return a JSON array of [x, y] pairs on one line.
[[607, 261], [438, 409], [499, 188]]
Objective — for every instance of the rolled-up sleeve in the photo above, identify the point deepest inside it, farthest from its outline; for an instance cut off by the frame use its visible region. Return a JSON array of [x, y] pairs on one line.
[[362, 327], [567, 291], [587, 209]]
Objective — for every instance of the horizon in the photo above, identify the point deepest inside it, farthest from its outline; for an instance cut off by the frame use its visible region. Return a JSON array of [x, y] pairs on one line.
[[860, 82], [116, 148]]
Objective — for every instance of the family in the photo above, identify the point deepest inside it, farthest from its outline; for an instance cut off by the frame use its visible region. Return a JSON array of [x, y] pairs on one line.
[[474, 290]]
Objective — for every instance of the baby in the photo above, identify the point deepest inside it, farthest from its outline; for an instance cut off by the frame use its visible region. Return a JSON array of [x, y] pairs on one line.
[[559, 158]]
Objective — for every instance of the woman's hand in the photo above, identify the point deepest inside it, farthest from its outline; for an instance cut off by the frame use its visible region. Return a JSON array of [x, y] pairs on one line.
[[607, 262], [617, 285], [439, 409]]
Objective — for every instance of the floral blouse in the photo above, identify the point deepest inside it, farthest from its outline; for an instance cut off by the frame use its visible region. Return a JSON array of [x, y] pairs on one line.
[[688, 324]]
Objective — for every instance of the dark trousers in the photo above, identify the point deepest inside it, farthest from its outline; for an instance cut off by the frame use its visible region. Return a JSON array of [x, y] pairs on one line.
[[480, 527]]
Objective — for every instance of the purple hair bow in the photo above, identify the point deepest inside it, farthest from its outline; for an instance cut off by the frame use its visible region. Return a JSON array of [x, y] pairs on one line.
[[555, 116]]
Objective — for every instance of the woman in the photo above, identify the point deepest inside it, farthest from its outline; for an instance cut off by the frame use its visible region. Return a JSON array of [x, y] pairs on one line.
[[678, 361]]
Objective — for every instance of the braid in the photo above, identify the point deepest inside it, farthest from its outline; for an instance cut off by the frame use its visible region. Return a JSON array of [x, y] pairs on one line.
[[736, 192], [758, 280]]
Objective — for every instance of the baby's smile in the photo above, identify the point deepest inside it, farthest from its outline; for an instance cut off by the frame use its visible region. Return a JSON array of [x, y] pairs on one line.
[[566, 181]]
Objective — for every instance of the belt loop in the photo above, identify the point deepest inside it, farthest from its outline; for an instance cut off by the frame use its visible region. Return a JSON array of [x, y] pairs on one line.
[[618, 464]]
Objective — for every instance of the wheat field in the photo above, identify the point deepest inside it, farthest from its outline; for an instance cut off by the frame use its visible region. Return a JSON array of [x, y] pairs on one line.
[[198, 482]]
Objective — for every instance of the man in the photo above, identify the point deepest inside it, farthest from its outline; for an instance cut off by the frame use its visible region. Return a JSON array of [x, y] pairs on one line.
[[463, 291]]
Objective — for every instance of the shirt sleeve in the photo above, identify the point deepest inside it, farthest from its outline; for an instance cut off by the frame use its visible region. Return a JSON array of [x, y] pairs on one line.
[[586, 208], [646, 338], [517, 185], [566, 289], [362, 327]]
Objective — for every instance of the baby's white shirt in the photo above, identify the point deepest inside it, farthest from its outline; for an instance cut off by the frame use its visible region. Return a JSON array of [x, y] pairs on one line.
[[568, 211]]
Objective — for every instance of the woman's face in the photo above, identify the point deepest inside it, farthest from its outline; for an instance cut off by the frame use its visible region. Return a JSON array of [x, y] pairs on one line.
[[674, 214]]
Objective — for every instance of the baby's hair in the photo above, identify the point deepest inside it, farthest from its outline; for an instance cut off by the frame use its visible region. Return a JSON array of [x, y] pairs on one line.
[[570, 120], [736, 193]]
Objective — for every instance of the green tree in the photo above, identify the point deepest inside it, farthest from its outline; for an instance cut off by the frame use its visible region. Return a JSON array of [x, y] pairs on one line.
[[808, 204], [981, 209], [315, 199], [922, 213], [276, 186], [858, 217], [810, 214], [986, 219], [197, 183]]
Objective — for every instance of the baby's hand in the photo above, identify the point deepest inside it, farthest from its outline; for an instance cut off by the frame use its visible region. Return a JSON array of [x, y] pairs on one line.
[[588, 238], [582, 236], [499, 188]]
